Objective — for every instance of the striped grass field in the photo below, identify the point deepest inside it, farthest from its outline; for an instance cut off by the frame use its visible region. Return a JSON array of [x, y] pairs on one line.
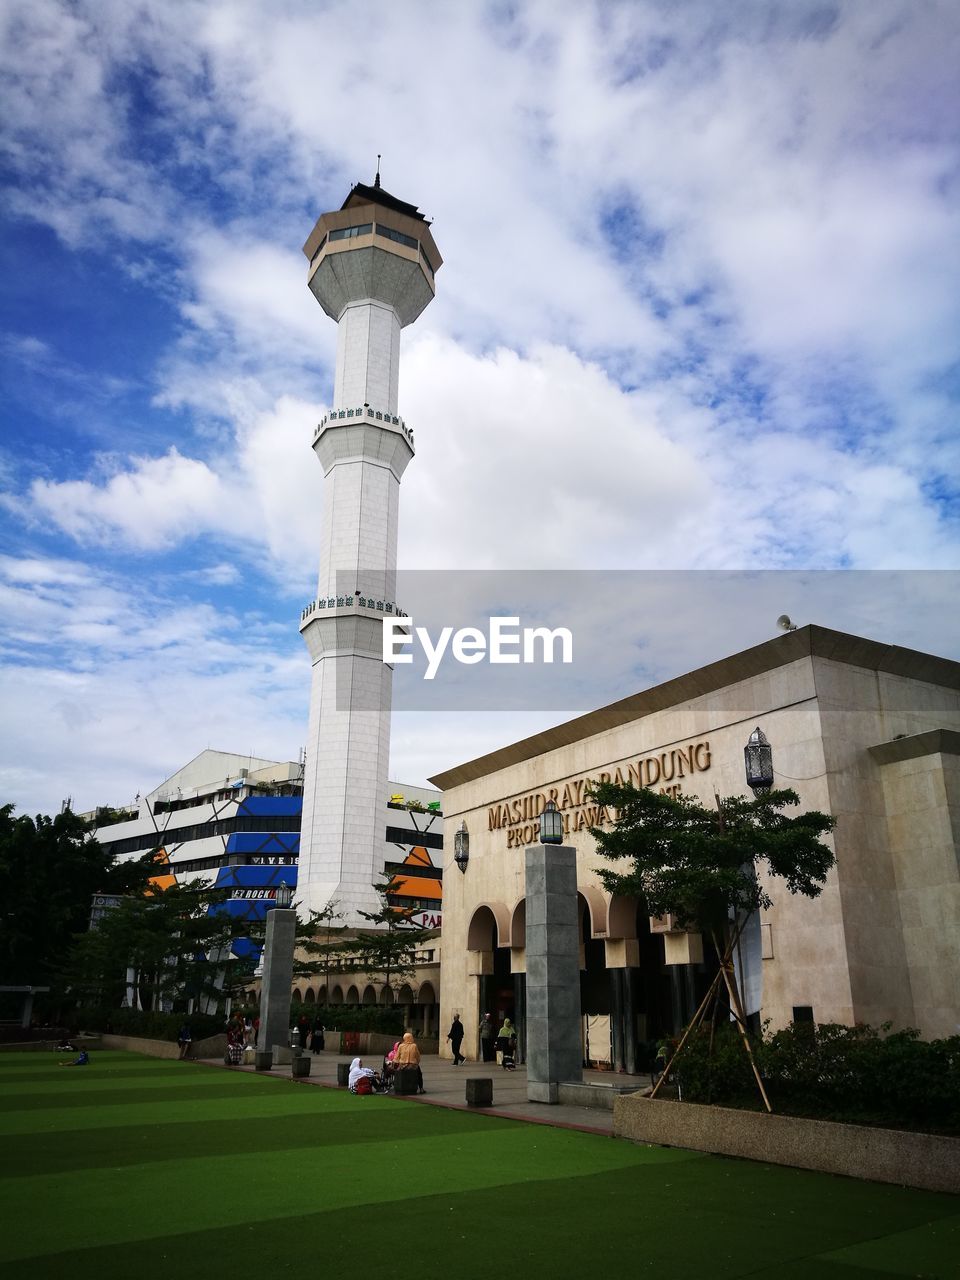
[[138, 1168]]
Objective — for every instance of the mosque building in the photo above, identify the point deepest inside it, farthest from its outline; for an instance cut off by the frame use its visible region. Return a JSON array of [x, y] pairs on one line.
[[865, 731]]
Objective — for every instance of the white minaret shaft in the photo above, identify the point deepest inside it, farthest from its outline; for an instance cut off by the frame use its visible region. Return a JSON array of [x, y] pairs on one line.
[[371, 268]]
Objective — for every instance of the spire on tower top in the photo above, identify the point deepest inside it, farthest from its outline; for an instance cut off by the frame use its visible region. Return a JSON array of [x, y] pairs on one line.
[[376, 181]]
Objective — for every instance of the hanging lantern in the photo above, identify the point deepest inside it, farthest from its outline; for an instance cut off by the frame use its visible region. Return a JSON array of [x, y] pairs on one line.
[[284, 896], [551, 824], [461, 847], [758, 763]]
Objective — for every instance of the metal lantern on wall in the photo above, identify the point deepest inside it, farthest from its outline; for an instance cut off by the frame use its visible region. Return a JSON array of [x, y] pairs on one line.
[[758, 763], [461, 846], [284, 895], [551, 824]]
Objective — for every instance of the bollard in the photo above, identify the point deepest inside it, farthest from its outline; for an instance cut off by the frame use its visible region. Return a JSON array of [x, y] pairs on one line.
[[405, 1081], [263, 1060], [343, 1074], [479, 1091], [300, 1066]]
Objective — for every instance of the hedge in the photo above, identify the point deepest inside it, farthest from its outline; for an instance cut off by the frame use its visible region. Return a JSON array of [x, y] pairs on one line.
[[856, 1074]]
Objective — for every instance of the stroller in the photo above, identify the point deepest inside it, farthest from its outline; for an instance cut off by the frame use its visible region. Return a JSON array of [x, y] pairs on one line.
[[507, 1053]]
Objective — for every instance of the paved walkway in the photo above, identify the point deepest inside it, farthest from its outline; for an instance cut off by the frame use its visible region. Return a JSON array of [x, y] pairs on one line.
[[445, 1086]]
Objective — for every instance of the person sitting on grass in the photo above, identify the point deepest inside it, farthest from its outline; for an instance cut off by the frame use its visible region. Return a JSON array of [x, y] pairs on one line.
[[362, 1079], [80, 1060]]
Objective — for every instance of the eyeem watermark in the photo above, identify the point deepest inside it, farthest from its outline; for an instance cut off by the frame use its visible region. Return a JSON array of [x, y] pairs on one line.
[[504, 642]]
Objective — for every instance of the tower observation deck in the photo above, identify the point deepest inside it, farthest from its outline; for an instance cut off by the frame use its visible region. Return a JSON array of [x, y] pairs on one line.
[[372, 268]]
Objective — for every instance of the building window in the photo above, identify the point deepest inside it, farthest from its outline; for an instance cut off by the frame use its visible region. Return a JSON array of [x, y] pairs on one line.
[[348, 233], [389, 234]]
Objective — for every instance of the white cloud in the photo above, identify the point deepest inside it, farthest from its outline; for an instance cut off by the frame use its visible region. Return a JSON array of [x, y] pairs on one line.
[[105, 681], [154, 504]]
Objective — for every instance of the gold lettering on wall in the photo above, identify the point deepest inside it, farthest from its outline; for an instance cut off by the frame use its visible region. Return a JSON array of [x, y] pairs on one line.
[[519, 817]]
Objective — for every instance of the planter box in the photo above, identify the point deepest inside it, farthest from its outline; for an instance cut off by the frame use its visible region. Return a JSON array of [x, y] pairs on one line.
[[927, 1161], [263, 1060], [300, 1066], [343, 1074]]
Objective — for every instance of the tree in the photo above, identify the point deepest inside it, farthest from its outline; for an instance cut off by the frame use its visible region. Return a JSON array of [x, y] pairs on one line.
[[176, 942], [701, 865], [50, 869], [321, 940], [391, 948]]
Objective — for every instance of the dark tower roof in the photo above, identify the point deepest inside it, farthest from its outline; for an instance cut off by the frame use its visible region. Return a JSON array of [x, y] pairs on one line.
[[362, 194]]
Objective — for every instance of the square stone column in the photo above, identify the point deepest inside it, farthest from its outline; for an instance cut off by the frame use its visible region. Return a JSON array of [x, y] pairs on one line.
[[554, 1050], [277, 978]]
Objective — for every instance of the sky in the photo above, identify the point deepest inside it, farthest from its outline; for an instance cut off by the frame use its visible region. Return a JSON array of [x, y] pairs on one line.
[[698, 313]]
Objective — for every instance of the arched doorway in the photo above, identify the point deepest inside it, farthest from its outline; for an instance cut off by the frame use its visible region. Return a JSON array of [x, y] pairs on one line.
[[427, 1010], [489, 940]]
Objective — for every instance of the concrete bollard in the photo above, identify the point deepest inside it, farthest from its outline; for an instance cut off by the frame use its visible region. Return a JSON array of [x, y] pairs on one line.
[[479, 1091], [405, 1081]]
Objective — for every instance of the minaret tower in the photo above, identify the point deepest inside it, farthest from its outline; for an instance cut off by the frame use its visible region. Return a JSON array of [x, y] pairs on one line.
[[372, 266]]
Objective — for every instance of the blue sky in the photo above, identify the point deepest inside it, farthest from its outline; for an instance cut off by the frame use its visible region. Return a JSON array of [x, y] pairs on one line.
[[699, 310]]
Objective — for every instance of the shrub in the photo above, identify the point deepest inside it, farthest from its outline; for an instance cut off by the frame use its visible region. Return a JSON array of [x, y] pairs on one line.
[[387, 1019], [151, 1025], [856, 1074]]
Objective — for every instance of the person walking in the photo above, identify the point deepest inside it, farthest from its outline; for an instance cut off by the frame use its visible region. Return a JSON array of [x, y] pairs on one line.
[[506, 1043], [488, 1035], [316, 1037], [456, 1039], [184, 1040]]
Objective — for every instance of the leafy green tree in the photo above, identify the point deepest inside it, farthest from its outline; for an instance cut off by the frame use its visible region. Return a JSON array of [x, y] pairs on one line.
[[390, 947], [171, 939], [321, 946], [50, 869], [700, 865]]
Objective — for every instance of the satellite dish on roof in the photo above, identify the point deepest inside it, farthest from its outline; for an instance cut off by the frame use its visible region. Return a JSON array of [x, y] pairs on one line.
[[784, 623]]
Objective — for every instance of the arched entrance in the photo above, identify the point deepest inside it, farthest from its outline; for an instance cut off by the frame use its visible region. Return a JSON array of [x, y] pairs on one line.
[[499, 989], [427, 1009]]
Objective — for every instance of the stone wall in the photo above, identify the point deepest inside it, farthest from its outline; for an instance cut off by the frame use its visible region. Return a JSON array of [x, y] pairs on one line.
[[927, 1161], [212, 1047]]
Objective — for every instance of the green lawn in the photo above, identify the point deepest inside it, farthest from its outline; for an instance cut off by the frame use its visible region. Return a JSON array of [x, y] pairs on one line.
[[141, 1168]]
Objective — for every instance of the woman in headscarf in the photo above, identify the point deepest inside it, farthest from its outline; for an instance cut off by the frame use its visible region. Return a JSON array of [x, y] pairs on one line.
[[235, 1042], [390, 1063], [359, 1072], [408, 1058], [506, 1042]]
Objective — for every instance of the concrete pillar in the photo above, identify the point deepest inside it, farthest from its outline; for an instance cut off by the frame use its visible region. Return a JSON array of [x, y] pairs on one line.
[[616, 1018], [629, 1022], [553, 971], [277, 977], [520, 1015]]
